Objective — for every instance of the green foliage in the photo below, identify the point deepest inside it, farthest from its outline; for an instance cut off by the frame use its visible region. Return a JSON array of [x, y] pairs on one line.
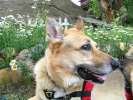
[[129, 6], [26, 73], [94, 7], [38, 50], [8, 53], [19, 35], [114, 40], [16, 35]]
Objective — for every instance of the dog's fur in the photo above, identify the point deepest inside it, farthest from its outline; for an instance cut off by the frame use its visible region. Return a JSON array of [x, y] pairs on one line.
[[58, 69], [113, 87], [128, 65]]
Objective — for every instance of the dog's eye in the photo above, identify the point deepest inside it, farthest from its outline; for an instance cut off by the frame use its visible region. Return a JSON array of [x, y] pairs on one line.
[[86, 47]]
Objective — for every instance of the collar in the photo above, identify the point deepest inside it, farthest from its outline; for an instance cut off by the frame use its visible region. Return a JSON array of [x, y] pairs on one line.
[[85, 94]]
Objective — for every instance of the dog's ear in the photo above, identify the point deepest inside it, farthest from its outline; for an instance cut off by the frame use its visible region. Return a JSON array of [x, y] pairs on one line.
[[79, 24], [54, 30]]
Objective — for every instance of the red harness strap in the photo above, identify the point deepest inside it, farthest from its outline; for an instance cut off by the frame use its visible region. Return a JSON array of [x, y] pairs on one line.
[[129, 95], [88, 86]]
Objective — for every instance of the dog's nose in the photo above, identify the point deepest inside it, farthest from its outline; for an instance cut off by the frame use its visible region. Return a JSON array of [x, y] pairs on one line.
[[115, 64]]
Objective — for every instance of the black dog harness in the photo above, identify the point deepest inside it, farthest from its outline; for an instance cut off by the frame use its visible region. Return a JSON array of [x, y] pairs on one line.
[[85, 94]]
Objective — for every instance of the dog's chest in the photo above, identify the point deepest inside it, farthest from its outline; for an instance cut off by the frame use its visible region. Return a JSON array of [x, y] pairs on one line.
[[76, 98], [112, 89]]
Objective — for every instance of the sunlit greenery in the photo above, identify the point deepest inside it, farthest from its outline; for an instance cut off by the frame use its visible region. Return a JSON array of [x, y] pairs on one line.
[[114, 39], [17, 35]]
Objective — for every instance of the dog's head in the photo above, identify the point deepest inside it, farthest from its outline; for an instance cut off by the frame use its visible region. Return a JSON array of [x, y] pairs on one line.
[[72, 52]]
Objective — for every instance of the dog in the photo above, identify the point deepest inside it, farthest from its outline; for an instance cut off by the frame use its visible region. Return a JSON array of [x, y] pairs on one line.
[[128, 67], [70, 58], [119, 85]]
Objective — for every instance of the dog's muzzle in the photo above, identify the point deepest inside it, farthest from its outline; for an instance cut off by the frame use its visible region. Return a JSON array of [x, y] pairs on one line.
[[88, 72]]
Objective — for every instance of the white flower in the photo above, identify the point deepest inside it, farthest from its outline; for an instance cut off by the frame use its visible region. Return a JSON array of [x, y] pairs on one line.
[[13, 65], [100, 31], [2, 24], [108, 48], [48, 0], [114, 38], [22, 30], [122, 31], [122, 46], [10, 10], [19, 16], [11, 17], [96, 29], [33, 7], [29, 32], [3, 18], [130, 34]]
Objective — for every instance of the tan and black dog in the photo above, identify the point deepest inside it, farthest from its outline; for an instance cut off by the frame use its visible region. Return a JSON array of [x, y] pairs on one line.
[[128, 67], [71, 58], [119, 85]]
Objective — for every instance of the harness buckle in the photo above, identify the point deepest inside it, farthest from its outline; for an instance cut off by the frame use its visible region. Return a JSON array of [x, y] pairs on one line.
[[49, 94], [67, 97]]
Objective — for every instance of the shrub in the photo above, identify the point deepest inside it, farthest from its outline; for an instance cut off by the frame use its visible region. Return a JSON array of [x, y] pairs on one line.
[[115, 39], [18, 35], [26, 73]]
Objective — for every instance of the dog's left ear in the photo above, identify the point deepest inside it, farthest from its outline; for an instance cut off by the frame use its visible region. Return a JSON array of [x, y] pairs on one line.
[[54, 30], [80, 24], [55, 35]]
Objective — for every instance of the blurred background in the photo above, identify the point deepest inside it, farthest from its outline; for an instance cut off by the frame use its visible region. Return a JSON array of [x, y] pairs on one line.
[[23, 36]]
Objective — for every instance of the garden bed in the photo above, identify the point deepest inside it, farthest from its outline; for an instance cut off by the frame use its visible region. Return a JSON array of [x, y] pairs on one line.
[[25, 43], [17, 92]]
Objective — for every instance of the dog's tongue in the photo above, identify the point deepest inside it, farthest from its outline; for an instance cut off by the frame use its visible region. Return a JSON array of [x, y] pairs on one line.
[[104, 77]]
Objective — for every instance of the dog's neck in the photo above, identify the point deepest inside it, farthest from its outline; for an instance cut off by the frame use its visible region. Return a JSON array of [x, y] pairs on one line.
[[63, 83], [72, 84]]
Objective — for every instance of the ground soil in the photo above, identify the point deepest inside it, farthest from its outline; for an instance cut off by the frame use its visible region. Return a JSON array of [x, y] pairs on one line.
[[17, 92]]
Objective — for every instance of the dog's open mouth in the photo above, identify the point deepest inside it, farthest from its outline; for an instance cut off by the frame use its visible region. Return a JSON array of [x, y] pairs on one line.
[[87, 74], [103, 77]]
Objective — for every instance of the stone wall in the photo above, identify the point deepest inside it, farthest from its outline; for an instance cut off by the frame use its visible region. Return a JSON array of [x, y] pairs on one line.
[[15, 7], [64, 8], [24, 7]]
